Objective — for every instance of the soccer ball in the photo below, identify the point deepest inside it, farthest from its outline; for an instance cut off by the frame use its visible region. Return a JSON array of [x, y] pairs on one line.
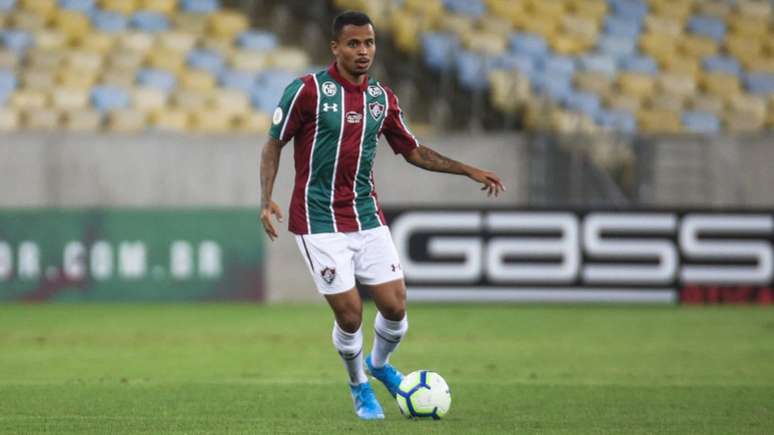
[[423, 394]]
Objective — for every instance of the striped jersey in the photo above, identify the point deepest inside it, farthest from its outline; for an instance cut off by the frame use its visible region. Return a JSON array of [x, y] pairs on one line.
[[335, 125]]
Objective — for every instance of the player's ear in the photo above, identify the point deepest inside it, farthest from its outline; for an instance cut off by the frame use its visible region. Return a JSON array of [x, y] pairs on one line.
[[334, 47]]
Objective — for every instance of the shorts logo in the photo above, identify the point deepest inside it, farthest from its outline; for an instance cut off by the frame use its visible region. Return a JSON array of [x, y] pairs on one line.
[[374, 91], [376, 110], [277, 115], [328, 274], [354, 118], [329, 88]]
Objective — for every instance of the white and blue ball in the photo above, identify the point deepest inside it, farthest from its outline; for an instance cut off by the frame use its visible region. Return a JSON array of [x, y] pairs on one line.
[[424, 394]]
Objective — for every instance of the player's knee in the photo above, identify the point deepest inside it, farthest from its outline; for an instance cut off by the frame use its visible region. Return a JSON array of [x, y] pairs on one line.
[[349, 322], [395, 312]]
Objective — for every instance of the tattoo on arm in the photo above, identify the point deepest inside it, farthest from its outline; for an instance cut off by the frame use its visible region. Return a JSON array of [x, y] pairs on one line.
[[270, 157], [427, 158]]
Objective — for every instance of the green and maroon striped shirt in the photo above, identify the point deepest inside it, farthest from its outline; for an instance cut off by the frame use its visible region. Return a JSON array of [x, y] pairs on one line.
[[335, 125]]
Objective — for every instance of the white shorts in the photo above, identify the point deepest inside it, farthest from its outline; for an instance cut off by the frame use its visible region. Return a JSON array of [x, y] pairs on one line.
[[336, 259]]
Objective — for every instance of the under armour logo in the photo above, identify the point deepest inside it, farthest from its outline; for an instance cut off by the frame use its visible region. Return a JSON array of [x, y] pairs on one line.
[[395, 267], [334, 107]]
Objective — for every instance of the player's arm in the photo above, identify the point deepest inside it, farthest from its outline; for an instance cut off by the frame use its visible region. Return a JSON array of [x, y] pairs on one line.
[[270, 158], [431, 160]]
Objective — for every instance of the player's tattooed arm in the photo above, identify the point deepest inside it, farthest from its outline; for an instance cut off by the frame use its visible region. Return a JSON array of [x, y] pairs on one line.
[[270, 158], [431, 160]]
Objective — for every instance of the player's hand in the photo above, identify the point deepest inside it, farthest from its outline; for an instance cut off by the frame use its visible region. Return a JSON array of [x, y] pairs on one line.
[[266, 215], [491, 182]]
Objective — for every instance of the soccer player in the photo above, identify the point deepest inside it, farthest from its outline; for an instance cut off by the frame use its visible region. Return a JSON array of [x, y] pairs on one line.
[[335, 117]]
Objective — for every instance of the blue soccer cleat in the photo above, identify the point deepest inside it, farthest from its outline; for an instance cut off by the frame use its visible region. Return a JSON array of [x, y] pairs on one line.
[[366, 405], [388, 375]]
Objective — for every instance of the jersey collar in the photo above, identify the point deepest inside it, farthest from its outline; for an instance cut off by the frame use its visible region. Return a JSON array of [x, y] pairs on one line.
[[333, 70]]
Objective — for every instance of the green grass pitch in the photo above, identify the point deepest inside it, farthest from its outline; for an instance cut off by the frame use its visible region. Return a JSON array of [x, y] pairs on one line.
[[215, 368]]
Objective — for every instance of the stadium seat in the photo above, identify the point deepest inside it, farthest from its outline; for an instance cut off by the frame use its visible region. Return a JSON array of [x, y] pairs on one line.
[[724, 64], [41, 7], [230, 102], [9, 119], [707, 103], [189, 22], [76, 78], [27, 20], [7, 5], [681, 64], [639, 85], [180, 42], [661, 25], [8, 59], [760, 83], [126, 121], [42, 79], [590, 81], [257, 40], [170, 120], [72, 23], [239, 80], [84, 60], [718, 9], [658, 121], [599, 63], [709, 27], [488, 44], [190, 101], [97, 42], [40, 58], [719, 83], [753, 106], [639, 64], [697, 46], [199, 6], [754, 8], [165, 7], [211, 121], [672, 103], [616, 47], [227, 24], [17, 40], [677, 84], [135, 41], [43, 119], [206, 60], [251, 61], [621, 27], [701, 122], [621, 120], [253, 122], [148, 99], [128, 60], [85, 120], [107, 98], [66, 99], [166, 59], [618, 101], [108, 21], [51, 40], [509, 90], [587, 103], [471, 68], [125, 7], [149, 21], [122, 78], [25, 99], [438, 50], [518, 62], [528, 43], [157, 79], [741, 122], [197, 80]]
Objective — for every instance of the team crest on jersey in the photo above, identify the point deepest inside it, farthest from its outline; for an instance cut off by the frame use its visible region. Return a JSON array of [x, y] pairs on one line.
[[277, 115], [328, 274], [354, 117], [376, 110], [374, 91], [329, 88]]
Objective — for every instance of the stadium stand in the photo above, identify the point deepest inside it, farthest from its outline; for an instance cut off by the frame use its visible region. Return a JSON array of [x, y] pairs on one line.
[[631, 66], [137, 65]]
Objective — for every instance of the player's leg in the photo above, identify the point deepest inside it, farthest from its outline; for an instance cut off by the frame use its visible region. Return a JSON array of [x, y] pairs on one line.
[[329, 259]]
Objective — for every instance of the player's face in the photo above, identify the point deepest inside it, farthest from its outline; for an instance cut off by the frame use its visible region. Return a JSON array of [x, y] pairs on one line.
[[355, 48]]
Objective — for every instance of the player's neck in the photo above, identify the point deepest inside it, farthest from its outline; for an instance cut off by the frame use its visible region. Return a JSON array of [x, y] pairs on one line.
[[354, 79]]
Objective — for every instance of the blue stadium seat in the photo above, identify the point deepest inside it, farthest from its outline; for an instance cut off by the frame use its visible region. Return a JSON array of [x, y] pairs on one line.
[[710, 27], [600, 63], [471, 8], [157, 78], [109, 21], [239, 80], [257, 41], [641, 64], [700, 122], [107, 98], [200, 6], [619, 120], [206, 60], [472, 69], [149, 21], [17, 40], [585, 102], [558, 65], [629, 9], [724, 64], [556, 87], [615, 46], [528, 43], [8, 84], [265, 99], [7, 5], [520, 62], [759, 83], [278, 78], [622, 27], [85, 6], [438, 50]]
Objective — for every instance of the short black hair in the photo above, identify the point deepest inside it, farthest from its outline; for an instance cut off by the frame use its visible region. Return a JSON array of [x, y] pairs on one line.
[[348, 17]]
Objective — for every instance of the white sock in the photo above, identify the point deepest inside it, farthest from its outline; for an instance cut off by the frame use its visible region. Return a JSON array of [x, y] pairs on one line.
[[387, 338], [350, 347]]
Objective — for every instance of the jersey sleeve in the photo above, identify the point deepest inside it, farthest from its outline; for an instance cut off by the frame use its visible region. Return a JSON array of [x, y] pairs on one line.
[[396, 132], [289, 114]]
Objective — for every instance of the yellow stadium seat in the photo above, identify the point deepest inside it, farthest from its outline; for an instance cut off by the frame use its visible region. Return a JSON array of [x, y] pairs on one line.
[[249, 60], [545, 26], [508, 90], [123, 78], [485, 43], [27, 20], [659, 46], [84, 60], [26, 99], [741, 122], [658, 121], [223, 46], [770, 120], [73, 24], [496, 25], [668, 102], [125, 7], [211, 121], [43, 80], [458, 24], [759, 64], [126, 121], [197, 80], [639, 85], [616, 100], [170, 120], [405, 31], [697, 46], [129, 60], [230, 101], [291, 59], [190, 23], [189, 100], [564, 121], [162, 6], [598, 83], [719, 9], [139, 42], [97, 42], [743, 46], [662, 25], [594, 9], [722, 84], [76, 78], [43, 8], [546, 8], [172, 61], [50, 39], [45, 58], [226, 24], [177, 41], [749, 26], [682, 65], [677, 84], [82, 120], [253, 122], [70, 98], [569, 44], [9, 119], [425, 7], [577, 25], [707, 103], [41, 119], [149, 99], [754, 8], [753, 106], [671, 8], [8, 59]]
